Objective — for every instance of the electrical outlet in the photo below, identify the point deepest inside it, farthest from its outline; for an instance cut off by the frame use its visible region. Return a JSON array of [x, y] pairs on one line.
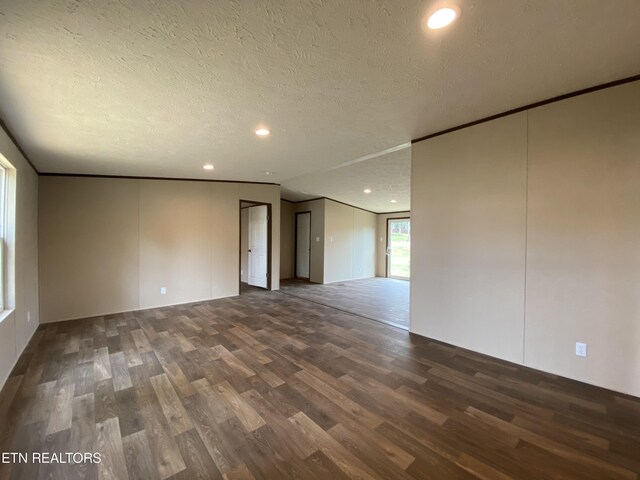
[[317, 239], [29, 317], [163, 290], [581, 349]]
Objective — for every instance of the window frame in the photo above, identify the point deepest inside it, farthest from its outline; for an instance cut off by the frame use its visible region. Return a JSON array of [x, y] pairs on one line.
[[8, 216], [4, 217]]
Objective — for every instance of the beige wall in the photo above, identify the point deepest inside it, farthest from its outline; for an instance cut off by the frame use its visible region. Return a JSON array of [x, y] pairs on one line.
[[338, 251], [350, 245], [364, 244], [381, 240], [558, 186], [89, 247], [19, 323], [287, 239], [109, 245], [177, 233], [468, 214], [583, 243]]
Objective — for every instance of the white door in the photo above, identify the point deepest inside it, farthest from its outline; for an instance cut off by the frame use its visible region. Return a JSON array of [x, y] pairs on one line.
[[258, 246], [303, 244]]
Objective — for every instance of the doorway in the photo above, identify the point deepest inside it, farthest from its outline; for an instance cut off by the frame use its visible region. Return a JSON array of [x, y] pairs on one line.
[[399, 248], [303, 245], [255, 245]]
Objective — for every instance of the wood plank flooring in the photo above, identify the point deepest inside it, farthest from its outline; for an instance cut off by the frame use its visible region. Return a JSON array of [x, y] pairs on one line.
[[383, 299], [269, 386]]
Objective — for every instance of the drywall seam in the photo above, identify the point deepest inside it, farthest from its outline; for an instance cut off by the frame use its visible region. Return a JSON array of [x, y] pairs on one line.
[[139, 246]]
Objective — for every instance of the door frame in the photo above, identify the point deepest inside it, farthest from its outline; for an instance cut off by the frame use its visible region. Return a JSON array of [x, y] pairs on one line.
[[386, 249], [269, 242], [295, 248]]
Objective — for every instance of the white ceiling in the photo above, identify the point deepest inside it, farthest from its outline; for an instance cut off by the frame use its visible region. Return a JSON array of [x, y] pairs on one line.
[[141, 87]]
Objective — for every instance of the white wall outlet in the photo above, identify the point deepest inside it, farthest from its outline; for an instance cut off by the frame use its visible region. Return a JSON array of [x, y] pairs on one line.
[[28, 316], [581, 349], [317, 239], [163, 290]]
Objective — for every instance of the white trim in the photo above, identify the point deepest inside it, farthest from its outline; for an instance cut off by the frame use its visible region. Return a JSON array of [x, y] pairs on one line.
[[4, 314]]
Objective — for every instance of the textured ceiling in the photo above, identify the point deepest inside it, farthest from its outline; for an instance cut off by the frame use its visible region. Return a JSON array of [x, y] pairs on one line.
[[387, 176], [158, 88]]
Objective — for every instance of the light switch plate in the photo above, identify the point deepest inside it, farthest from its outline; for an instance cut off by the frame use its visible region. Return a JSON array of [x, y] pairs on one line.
[[163, 290]]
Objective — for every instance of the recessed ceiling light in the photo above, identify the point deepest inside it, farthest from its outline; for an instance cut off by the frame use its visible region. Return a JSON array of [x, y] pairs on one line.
[[261, 132], [442, 17], [267, 172], [208, 166], [394, 201], [367, 190]]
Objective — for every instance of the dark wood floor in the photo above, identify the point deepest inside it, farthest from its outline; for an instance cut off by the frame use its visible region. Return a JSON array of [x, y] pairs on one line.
[[270, 386], [382, 299]]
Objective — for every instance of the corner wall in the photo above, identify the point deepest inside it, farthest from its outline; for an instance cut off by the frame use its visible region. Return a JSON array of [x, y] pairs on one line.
[[529, 227], [18, 326], [109, 244]]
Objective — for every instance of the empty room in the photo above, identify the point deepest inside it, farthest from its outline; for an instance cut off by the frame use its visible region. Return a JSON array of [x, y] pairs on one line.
[[320, 239]]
